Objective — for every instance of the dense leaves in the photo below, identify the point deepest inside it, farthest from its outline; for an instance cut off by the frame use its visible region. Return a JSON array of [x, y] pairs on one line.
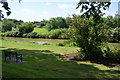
[[90, 31], [25, 27], [55, 23], [7, 25], [88, 36], [93, 8]]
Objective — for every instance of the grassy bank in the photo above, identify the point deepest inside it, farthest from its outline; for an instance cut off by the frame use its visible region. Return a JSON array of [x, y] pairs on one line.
[[41, 62]]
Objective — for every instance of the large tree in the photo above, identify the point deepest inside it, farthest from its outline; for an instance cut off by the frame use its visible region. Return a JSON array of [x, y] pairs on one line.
[[90, 31], [55, 23], [7, 25]]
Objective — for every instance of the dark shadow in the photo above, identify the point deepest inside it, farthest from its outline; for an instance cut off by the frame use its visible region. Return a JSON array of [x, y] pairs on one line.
[[2, 47], [48, 61]]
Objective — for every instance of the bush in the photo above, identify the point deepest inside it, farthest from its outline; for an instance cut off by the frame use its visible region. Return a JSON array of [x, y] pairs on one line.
[[112, 55], [60, 44], [114, 34], [31, 35], [14, 34], [25, 27], [89, 35], [54, 34], [66, 43], [46, 44]]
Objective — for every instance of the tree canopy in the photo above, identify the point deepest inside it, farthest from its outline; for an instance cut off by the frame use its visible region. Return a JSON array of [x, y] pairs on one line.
[[93, 8]]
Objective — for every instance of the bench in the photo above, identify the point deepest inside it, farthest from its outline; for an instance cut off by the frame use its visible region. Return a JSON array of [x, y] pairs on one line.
[[11, 54]]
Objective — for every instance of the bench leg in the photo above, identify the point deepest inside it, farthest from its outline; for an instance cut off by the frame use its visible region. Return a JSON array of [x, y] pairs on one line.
[[5, 58], [21, 58], [9, 57], [16, 59]]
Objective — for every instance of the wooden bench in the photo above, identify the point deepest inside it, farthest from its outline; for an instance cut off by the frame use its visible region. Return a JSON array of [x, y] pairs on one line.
[[11, 54]]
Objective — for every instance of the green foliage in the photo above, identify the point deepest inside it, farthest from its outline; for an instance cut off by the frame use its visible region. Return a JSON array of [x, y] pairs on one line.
[[14, 34], [55, 23], [56, 33], [31, 35], [112, 22], [93, 8], [89, 36], [7, 25], [46, 44], [112, 55], [25, 27], [68, 43], [68, 21], [114, 34], [42, 23]]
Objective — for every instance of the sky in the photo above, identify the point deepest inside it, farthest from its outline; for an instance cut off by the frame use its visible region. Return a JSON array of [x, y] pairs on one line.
[[37, 10]]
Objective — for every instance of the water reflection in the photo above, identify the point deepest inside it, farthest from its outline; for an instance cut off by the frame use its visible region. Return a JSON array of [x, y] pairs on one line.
[[40, 42]]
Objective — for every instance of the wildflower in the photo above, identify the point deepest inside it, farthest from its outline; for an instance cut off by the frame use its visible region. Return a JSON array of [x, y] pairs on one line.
[[115, 48], [65, 53], [65, 50]]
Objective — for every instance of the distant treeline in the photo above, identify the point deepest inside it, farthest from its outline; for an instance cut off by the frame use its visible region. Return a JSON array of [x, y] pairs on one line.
[[57, 27]]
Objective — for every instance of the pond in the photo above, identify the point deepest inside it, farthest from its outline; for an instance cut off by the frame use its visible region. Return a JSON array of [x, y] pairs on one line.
[[41, 42], [36, 40]]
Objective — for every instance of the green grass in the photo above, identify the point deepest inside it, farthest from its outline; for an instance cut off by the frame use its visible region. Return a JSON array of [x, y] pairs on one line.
[[40, 30], [41, 62]]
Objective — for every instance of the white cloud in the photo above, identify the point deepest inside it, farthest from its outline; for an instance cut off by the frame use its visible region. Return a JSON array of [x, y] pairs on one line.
[[26, 10], [48, 4], [109, 13], [45, 12], [65, 6]]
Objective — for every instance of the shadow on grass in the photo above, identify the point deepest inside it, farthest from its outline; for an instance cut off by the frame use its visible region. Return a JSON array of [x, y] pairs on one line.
[[45, 64]]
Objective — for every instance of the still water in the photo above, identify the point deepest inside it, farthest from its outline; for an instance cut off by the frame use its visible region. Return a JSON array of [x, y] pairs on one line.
[[36, 40]]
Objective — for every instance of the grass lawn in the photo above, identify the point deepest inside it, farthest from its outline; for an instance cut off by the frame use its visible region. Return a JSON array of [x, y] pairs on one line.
[[41, 62], [40, 30]]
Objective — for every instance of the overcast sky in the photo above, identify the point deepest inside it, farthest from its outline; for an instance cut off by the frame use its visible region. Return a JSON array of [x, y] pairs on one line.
[[37, 10]]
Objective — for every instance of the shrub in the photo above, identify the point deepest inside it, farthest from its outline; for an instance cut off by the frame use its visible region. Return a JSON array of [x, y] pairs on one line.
[[89, 35], [54, 34], [114, 34], [31, 35], [25, 27], [46, 44], [14, 34], [112, 55], [60, 44], [66, 43]]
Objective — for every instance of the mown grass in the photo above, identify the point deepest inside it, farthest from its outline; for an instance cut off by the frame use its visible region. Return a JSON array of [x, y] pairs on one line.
[[41, 62], [40, 30]]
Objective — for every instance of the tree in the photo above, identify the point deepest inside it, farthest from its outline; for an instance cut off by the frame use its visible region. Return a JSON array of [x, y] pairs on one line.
[[90, 31], [88, 37], [68, 21], [114, 30], [7, 25], [25, 27], [93, 8], [55, 23], [42, 23]]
